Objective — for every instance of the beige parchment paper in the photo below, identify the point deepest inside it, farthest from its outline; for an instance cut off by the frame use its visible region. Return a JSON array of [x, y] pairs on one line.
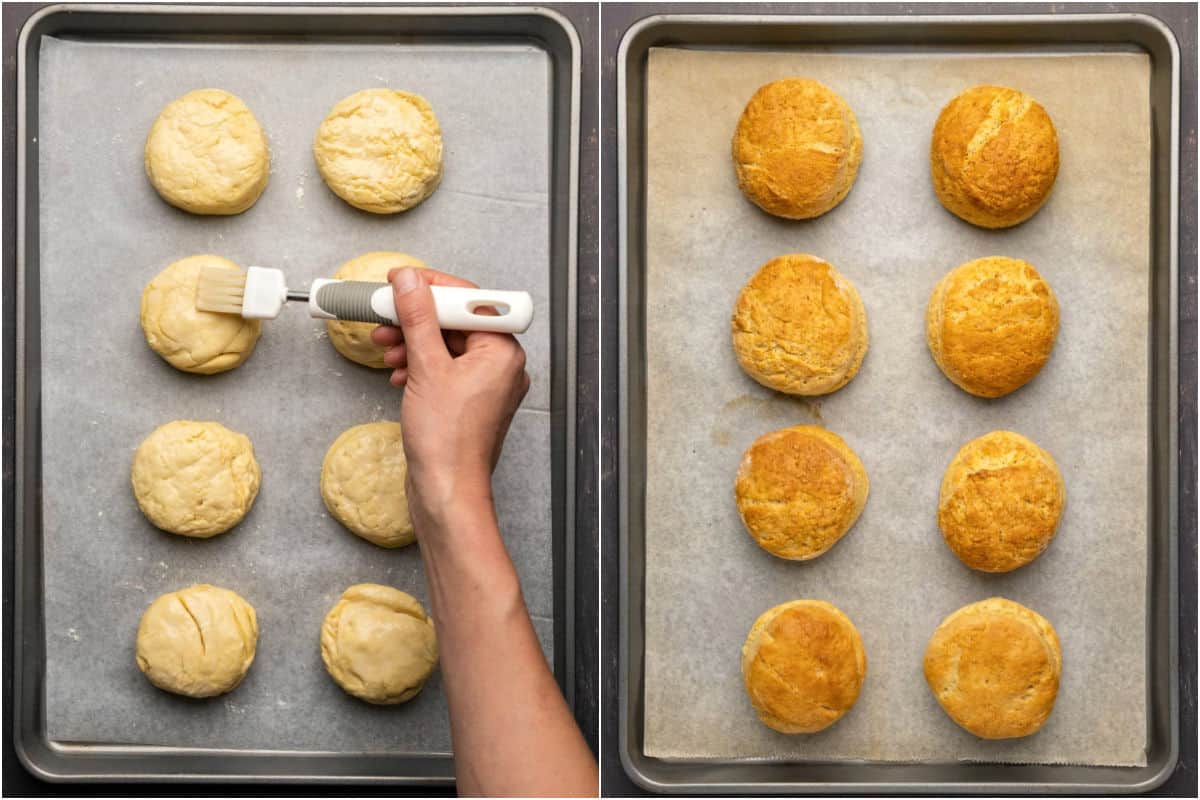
[[706, 581]]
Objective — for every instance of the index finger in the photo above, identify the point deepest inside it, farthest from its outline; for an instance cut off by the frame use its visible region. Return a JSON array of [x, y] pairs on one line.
[[435, 277], [390, 335]]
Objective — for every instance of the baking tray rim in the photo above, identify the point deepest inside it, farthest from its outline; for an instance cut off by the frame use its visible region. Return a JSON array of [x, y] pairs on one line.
[[647, 772], [56, 762]]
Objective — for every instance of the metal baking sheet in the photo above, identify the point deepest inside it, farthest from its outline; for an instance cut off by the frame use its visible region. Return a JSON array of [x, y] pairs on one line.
[[503, 216], [669, 728]]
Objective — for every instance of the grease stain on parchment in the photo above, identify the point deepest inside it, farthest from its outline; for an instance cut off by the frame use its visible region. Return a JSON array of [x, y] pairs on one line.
[[734, 413]]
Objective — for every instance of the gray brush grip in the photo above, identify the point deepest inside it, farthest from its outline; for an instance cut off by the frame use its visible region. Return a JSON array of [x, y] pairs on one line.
[[350, 301]]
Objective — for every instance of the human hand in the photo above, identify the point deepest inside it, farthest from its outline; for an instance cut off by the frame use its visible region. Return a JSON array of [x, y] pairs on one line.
[[460, 393]]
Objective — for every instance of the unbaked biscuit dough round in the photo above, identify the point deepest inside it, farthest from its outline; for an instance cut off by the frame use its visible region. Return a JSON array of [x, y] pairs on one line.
[[799, 326], [380, 150], [188, 339], [207, 154], [379, 644], [195, 478], [362, 483], [353, 339], [198, 641]]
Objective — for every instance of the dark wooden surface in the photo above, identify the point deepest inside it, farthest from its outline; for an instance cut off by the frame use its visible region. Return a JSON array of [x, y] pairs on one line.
[[615, 19], [585, 18]]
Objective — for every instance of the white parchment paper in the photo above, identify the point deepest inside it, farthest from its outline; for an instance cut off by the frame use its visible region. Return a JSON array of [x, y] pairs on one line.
[[104, 233], [706, 580]]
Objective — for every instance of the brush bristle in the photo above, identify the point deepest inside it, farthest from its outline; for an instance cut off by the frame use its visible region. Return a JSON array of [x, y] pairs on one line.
[[220, 290]]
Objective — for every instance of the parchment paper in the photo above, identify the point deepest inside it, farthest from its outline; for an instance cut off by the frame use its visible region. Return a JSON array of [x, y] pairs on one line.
[[105, 233], [706, 580]]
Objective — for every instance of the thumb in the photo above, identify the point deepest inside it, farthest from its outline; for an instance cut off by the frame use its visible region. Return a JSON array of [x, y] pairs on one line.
[[417, 313]]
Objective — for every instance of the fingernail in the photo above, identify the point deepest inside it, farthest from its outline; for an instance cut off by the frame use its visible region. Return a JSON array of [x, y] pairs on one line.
[[406, 280]]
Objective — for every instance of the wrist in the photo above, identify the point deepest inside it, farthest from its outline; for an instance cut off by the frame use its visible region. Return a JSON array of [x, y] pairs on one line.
[[454, 519], [465, 555], [448, 490]]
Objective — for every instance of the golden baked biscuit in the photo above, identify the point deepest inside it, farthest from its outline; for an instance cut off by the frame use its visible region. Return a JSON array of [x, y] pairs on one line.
[[994, 668], [188, 339], [353, 339], [378, 644], [803, 665], [796, 149], [799, 326], [1002, 497], [198, 641], [991, 324], [362, 484], [799, 490], [994, 156], [380, 150], [207, 154], [195, 479]]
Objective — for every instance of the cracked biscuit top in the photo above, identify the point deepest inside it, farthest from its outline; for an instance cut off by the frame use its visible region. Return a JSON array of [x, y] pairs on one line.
[[207, 154], [993, 156], [195, 478], [796, 149], [803, 665], [378, 644], [994, 668], [380, 150], [1001, 500], [363, 484], [799, 490], [799, 326], [991, 325], [188, 339], [198, 641]]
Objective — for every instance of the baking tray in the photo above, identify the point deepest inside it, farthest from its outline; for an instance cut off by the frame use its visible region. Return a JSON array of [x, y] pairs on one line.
[[421, 38], [884, 34]]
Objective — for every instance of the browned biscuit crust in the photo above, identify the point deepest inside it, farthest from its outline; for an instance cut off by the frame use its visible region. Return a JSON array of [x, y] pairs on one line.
[[994, 156], [803, 665], [799, 490], [796, 149], [799, 326], [991, 325], [1002, 497], [994, 667]]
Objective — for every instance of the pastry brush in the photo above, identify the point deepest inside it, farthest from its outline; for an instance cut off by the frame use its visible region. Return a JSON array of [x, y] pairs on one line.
[[260, 293]]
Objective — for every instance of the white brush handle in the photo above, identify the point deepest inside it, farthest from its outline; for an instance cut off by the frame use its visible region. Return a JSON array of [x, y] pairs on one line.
[[364, 301], [456, 307]]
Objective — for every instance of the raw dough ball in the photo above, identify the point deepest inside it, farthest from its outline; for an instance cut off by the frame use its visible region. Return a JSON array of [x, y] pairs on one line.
[[994, 156], [378, 644], [380, 150], [195, 478], [799, 490], [991, 324], [803, 665], [362, 483], [191, 340], [1001, 500], [207, 154], [353, 339], [197, 642], [796, 149], [799, 326], [994, 668]]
